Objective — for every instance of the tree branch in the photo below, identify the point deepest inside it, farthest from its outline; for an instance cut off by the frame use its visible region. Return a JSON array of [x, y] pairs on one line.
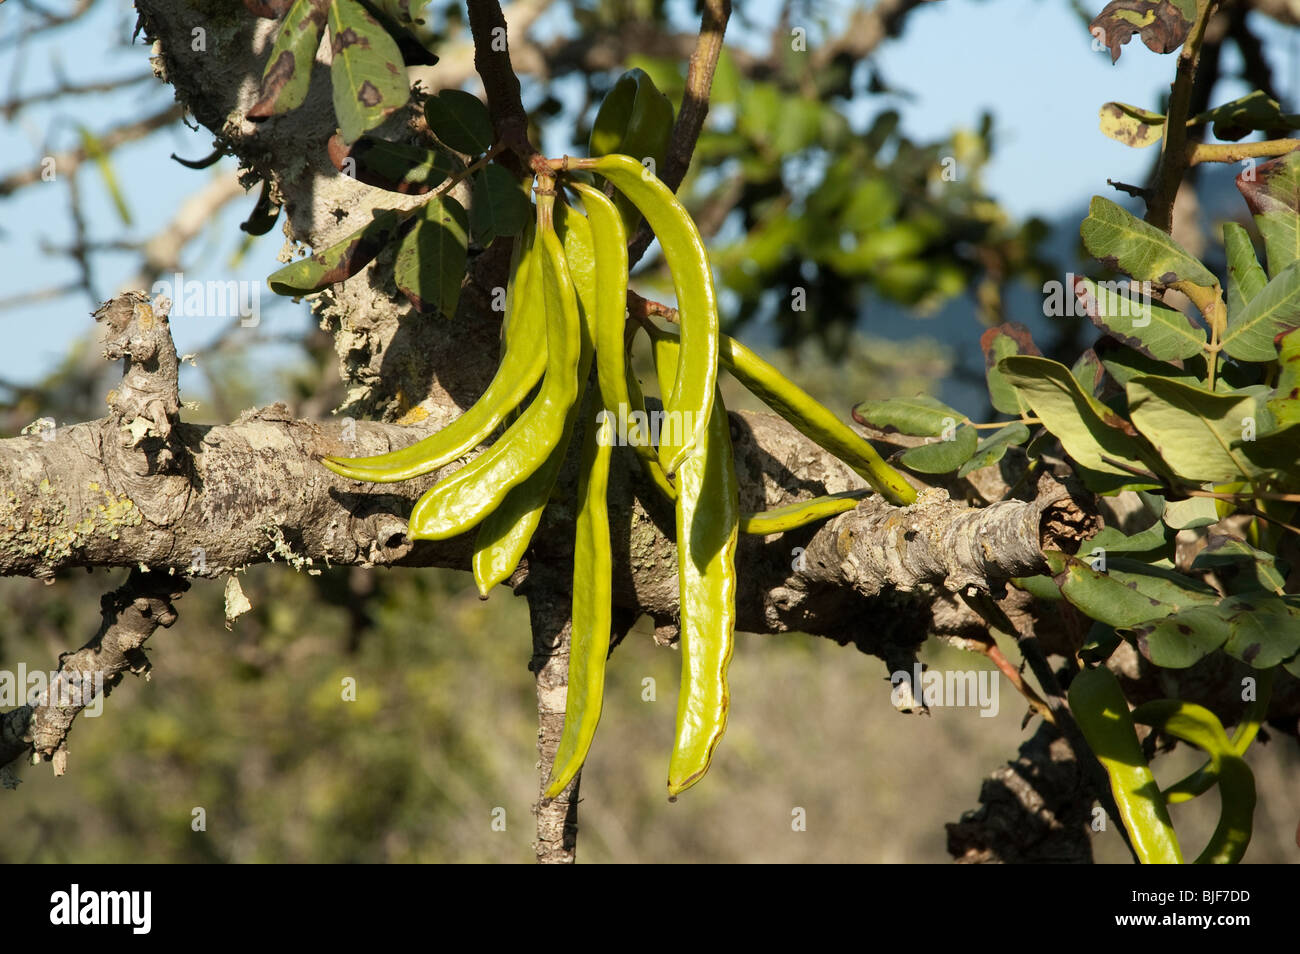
[[1173, 150], [557, 818], [694, 109], [131, 614]]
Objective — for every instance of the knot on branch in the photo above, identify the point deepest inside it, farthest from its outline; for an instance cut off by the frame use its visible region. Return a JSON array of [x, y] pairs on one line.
[[147, 402], [148, 461]]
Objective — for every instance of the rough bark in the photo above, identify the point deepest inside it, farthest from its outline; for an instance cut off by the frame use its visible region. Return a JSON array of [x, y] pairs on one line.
[[143, 488]]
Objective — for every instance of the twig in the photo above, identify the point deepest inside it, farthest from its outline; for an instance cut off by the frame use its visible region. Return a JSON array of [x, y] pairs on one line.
[[1237, 151], [492, 61], [130, 615], [67, 162], [11, 108], [1138, 192], [1173, 150], [695, 107]]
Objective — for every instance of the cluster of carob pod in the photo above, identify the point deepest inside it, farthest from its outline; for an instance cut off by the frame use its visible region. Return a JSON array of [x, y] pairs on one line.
[[568, 289]]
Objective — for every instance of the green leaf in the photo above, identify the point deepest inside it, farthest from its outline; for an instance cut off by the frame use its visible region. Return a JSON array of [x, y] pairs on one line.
[[1285, 404], [1273, 310], [1265, 630], [368, 75], [1252, 112], [1293, 666], [1119, 239], [998, 343], [942, 456], [1182, 639], [1190, 513], [1246, 278], [1142, 324], [1089, 372], [1154, 545], [1193, 429], [1040, 587], [1103, 596], [1131, 125], [1089, 431], [1165, 585], [402, 11], [395, 16], [501, 205], [264, 214], [920, 416], [1162, 24], [460, 120], [1124, 364], [1272, 190], [994, 447], [288, 70], [1099, 643], [1256, 569], [431, 257], [341, 260], [393, 166]]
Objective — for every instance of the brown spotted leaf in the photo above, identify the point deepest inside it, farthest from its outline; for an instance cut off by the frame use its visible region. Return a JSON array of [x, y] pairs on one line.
[[396, 17], [1272, 190], [431, 257], [341, 260], [288, 71], [1129, 592], [400, 11], [1285, 404], [1131, 125], [394, 166], [1180, 640], [1265, 629], [1162, 24], [369, 76]]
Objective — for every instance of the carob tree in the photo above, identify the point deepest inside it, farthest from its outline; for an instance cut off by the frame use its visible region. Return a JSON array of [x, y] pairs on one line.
[[415, 203]]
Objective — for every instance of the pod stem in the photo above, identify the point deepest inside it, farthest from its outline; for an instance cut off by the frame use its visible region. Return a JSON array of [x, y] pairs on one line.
[[545, 192]]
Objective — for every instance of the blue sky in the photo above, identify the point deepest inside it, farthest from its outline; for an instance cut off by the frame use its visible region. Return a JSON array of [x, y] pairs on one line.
[[1029, 62]]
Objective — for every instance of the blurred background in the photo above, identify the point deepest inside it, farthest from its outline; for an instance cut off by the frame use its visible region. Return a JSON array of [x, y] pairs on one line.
[[911, 187]]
